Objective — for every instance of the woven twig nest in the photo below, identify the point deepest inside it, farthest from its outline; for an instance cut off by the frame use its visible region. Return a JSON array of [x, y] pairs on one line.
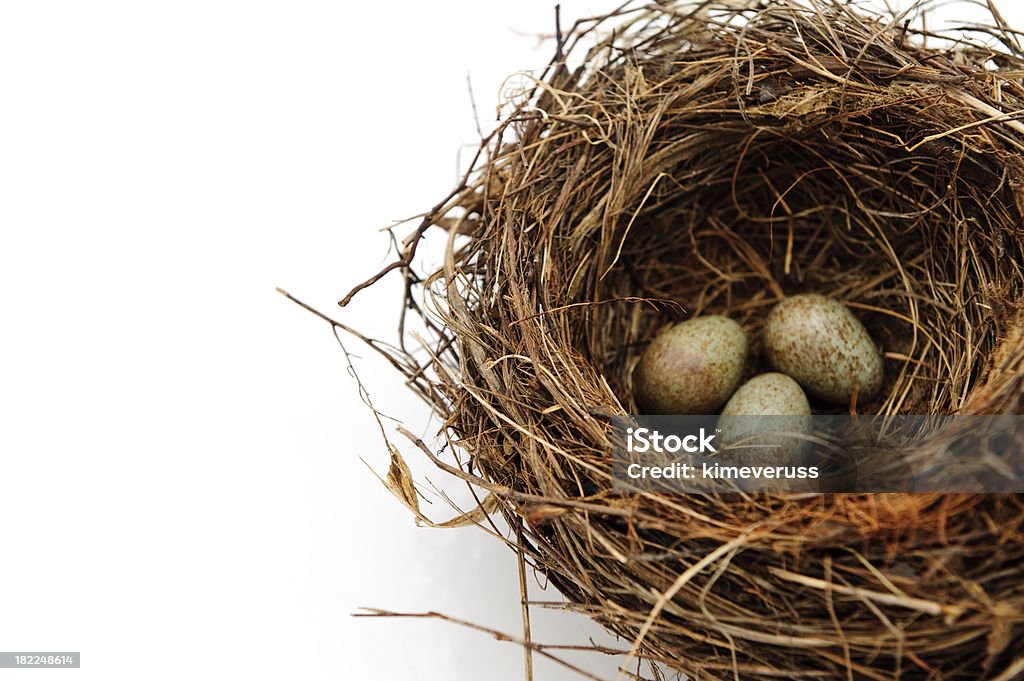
[[712, 159]]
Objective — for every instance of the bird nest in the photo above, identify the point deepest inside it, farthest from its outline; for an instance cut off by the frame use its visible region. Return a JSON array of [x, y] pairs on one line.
[[712, 159]]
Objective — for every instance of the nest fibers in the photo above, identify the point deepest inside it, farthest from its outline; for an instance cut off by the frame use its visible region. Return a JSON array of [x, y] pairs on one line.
[[712, 159]]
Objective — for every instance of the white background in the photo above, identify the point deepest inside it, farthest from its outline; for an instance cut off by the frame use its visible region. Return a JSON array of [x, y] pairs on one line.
[[182, 491]]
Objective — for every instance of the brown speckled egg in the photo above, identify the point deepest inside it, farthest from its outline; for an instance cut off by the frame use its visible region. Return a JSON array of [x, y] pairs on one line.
[[819, 342], [692, 367], [755, 440], [768, 395]]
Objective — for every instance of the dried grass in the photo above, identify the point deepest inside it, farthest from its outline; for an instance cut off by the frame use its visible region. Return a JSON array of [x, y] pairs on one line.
[[711, 159]]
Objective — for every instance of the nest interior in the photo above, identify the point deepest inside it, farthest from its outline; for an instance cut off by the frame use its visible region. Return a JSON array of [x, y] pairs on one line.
[[713, 159]]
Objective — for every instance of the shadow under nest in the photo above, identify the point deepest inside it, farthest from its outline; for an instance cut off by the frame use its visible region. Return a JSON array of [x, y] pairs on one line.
[[712, 160]]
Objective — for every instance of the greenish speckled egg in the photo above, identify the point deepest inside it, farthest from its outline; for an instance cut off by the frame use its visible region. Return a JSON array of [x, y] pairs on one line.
[[766, 422], [819, 342], [692, 367], [768, 395]]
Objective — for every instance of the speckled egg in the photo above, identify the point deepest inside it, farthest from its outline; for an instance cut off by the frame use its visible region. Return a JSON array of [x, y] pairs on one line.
[[692, 367], [768, 395], [819, 342], [766, 422]]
